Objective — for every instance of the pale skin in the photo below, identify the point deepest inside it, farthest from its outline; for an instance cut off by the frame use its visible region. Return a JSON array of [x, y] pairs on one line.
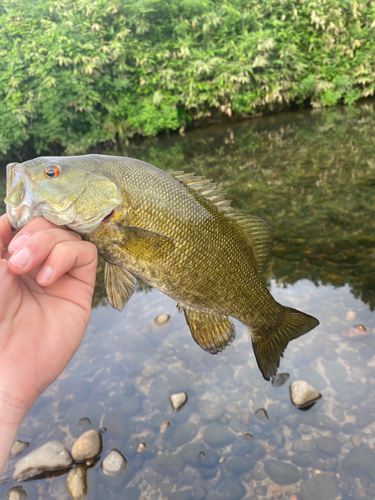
[[47, 278]]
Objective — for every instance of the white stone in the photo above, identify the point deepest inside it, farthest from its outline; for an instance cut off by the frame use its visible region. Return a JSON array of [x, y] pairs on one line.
[[50, 456], [18, 448], [178, 400], [141, 447], [302, 393], [88, 446], [161, 319], [114, 464], [16, 493]]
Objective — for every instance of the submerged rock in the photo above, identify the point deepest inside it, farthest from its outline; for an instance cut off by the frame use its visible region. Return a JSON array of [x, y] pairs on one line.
[[302, 446], [336, 371], [363, 419], [18, 448], [258, 472], [243, 444], [141, 447], [87, 446], [319, 487], [114, 464], [238, 465], [198, 455], [303, 394], [281, 472], [51, 456], [84, 424], [16, 493], [178, 400], [321, 421], [301, 460], [168, 465], [280, 379], [217, 435], [210, 411], [360, 462], [356, 332], [350, 315], [161, 319], [76, 482], [328, 444], [230, 489], [164, 426], [262, 415], [180, 495], [185, 433], [117, 424]]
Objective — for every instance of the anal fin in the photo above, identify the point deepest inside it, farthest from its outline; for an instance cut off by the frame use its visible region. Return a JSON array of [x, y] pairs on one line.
[[212, 332], [119, 284]]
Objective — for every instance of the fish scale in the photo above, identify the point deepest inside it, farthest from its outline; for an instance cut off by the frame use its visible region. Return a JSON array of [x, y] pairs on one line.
[[177, 232]]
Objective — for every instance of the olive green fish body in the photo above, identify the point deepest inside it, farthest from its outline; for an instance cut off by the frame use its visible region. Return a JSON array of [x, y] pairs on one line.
[[209, 266], [176, 232]]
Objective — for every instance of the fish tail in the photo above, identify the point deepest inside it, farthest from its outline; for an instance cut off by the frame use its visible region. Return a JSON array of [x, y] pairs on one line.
[[269, 348]]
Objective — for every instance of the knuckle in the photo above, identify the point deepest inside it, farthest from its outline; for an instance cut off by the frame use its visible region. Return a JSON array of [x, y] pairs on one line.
[[64, 247]]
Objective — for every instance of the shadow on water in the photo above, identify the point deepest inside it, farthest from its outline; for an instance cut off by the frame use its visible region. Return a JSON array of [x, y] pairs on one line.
[[312, 176]]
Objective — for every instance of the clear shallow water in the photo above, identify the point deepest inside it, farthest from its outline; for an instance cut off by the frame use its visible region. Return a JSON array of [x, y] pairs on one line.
[[312, 175]]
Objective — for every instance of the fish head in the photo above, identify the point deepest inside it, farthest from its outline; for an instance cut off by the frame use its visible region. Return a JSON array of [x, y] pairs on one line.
[[64, 190]]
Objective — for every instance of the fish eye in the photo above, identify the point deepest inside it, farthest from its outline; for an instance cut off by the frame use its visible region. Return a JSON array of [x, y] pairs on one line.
[[52, 172]]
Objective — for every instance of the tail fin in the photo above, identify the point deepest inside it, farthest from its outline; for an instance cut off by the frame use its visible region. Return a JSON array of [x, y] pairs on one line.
[[269, 349]]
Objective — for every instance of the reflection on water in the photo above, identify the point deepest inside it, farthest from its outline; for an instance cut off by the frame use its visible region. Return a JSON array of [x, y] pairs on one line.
[[312, 175]]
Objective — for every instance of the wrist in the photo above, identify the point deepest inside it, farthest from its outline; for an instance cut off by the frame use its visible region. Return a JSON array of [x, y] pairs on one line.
[[12, 412]]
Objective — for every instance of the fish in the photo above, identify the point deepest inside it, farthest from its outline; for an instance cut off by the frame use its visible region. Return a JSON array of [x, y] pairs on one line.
[[175, 231]]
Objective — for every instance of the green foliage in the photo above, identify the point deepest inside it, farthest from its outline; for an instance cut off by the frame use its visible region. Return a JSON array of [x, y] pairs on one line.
[[80, 72]]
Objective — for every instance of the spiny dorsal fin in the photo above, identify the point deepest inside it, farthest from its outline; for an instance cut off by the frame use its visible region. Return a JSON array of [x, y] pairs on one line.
[[258, 232], [259, 235], [119, 284], [204, 187], [212, 332]]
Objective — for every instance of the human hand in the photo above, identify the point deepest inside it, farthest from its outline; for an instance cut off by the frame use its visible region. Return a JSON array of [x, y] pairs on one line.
[[47, 278]]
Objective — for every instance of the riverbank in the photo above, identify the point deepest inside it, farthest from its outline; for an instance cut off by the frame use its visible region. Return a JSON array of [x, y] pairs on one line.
[[75, 75]]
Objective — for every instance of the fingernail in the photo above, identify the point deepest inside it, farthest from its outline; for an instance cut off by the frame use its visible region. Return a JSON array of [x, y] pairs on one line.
[[21, 258], [17, 242], [45, 274]]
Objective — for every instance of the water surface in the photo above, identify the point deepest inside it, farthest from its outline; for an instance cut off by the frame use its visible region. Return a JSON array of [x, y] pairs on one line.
[[312, 176]]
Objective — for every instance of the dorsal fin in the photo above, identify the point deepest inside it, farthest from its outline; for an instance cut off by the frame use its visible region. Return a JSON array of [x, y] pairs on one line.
[[259, 234], [257, 231], [205, 188]]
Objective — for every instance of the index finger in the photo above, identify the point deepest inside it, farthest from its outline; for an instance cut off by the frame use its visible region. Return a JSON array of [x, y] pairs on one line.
[[35, 225], [5, 233]]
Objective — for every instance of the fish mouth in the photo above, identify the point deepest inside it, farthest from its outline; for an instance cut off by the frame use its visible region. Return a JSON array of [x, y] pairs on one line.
[[19, 205]]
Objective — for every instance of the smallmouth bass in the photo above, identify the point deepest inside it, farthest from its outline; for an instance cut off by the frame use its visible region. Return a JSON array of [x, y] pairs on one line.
[[175, 231]]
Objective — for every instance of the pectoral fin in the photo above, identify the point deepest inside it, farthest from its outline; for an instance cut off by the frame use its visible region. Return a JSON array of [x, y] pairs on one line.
[[212, 332], [119, 284], [144, 244]]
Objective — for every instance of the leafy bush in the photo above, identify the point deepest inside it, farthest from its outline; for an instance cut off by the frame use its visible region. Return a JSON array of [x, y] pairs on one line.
[[78, 72]]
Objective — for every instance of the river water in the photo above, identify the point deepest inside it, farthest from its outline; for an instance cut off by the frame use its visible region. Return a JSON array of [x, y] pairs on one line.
[[311, 174]]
